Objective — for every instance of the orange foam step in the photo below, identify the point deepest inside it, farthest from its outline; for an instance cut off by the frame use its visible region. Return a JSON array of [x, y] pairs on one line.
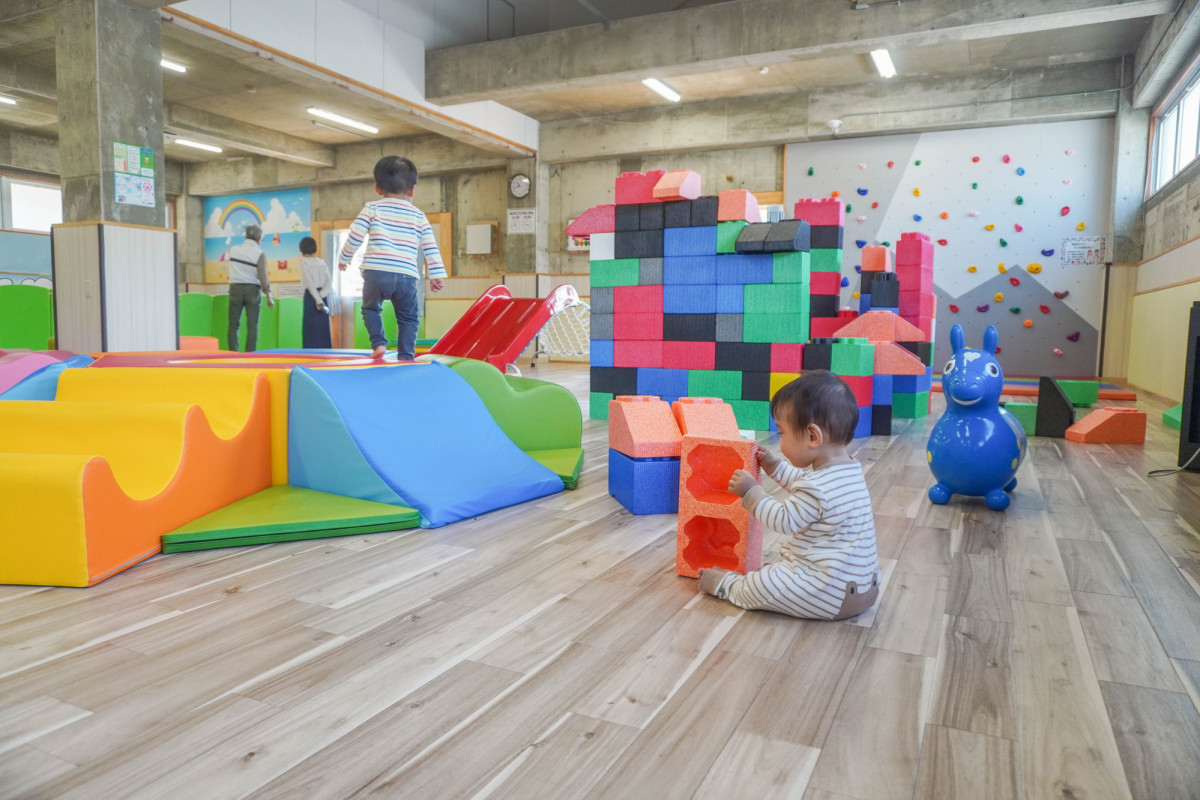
[[876, 258], [705, 416], [643, 427], [680, 184], [714, 529], [882, 326], [892, 359], [1110, 426], [735, 205]]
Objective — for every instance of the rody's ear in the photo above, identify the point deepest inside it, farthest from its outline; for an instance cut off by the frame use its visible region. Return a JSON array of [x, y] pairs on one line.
[[957, 341], [991, 338]]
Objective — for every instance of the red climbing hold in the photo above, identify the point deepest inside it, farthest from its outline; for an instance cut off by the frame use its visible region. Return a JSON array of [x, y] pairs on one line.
[[891, 164], [1006, 159], [875, 205], [975, 159], [943, 242], [1045, 309], [953, 308], [1061, 295], [1015, 281], [1064, 211]]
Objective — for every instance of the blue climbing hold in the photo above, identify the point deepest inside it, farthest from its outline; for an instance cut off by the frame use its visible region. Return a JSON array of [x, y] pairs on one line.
[[1020, 170], [861, 243], [858, 268], [845, 281], [862, 192], [916, 217], [1048, 253]]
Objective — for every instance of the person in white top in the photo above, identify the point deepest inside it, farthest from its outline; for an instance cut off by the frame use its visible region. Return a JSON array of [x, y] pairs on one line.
[[829, 566], [248, 280], [314, 277]]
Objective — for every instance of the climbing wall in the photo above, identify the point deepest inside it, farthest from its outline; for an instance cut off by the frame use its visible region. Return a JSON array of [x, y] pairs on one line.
[[1019, 215]]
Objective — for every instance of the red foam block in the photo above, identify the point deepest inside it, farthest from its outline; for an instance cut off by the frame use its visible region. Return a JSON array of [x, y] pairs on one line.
[[638, 187], [787, 357], [689, 355], [825, 283], [822, 211], [639, 325], [737, 204], [714, 529], [638, 298], [637, 353], [876, 258], [597, 219], [914, 249], [861, 385]]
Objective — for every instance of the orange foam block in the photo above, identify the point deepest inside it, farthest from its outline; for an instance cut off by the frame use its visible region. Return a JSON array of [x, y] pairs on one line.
[[643, 427], [876, 258], [597, 219], [705, 416], [882, 326], [714, 529], [892, 359], [680, 184], [1110, 426], [735, 205]]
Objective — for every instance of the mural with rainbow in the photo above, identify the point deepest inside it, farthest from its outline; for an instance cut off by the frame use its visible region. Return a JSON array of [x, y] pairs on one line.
[[285, 217]]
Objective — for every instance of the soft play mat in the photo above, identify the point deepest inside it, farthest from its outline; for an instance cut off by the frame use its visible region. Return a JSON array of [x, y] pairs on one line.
[[1028, 387]]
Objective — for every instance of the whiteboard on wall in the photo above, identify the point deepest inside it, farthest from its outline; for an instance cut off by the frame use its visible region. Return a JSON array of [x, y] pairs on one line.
[[1056, 176]]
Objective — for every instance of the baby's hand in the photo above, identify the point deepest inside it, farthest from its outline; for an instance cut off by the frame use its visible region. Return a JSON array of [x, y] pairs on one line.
[[766, 459], [741, 482]]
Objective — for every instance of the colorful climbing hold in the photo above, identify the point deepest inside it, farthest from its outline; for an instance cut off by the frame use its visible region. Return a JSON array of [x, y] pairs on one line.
[[1048, 253], [1044, 309], [1081, 226], [875, 204], [943, 242], [855, 295], [858, 268], [1020, 170], [1001, 268], [1015, 309], [849, 208], [887, 244], [835, 193], [1057, 352], [1033, 268], [862, 192], [974, 185], [945, 215], [1020, 200], [810, 171], [862, 166], [861, 218], [1006, 158], [916, 217], [1017, 227], [1070, 152], [972, 268], [972, 213], [845, 281], [1062, 295], [1015, 281], [1074, 337], [891, 164], [1028, 323], [953, 308], [1003, 242], [999, 350], [917, 162], [982, 309], [917, 191], [989, 227], [999, 297], [1067, 181], [861, 243], [1062, 212], [974, 159]]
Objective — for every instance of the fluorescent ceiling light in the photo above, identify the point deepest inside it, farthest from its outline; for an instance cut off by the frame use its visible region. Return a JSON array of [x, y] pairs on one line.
[[883, 63], [663, 89], [173, 65], [338, 118], [8, 101], [212, 148]]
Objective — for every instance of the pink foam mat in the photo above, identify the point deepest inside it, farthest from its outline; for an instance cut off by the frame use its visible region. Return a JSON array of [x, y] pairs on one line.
[[16, 367]]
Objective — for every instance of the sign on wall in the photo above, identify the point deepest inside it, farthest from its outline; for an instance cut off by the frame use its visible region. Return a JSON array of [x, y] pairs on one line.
[[284, 216], [133, 175]]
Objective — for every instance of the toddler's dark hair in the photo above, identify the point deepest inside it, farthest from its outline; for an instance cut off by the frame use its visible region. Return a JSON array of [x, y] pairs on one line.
[[818, 397], [308, 246], [395, 175]]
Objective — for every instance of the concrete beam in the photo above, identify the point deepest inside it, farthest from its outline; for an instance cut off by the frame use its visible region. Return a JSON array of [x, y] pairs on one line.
[[23, 151], [433, 155], [1169, 46], [11, 10], [1076, 91], [734, 35], [18, 76], [244, 136]]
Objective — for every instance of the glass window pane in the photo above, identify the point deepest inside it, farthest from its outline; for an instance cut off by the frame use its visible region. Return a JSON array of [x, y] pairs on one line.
[[35, 206], [1167, 128], [1189, 122]]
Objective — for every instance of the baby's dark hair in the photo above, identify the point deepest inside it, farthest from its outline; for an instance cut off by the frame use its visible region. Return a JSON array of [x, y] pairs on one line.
[[395, 175], [818, 397], [308, 246]]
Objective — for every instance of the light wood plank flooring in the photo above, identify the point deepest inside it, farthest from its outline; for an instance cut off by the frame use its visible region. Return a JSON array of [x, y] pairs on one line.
[[549, 651]]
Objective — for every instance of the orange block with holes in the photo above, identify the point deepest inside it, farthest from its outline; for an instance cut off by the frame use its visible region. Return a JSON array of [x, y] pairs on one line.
[[892, 359], [1110, 426], [736, 205], [680, 184], [882, 326], [876, 258], [643, 427], [705, 416], [714, 529]]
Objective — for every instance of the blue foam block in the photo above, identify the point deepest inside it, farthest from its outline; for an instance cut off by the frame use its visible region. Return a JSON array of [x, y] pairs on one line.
[[881, 390], [601, 351], [864, 303], [419, 429], [742, 268], [644, 485], [42, 384], [731, 298], [663, 383], [864, 423], [913, 384], [689, 269], [690, 241], [690, 298]]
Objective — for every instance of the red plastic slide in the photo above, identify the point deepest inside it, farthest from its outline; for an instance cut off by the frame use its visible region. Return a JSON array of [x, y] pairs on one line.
[[498, 327]]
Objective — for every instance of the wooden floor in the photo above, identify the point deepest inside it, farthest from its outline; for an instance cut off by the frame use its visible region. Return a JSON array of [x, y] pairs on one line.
[[549, 651]]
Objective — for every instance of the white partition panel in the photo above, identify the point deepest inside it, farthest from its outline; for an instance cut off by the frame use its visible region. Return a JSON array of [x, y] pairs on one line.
[[78, 288], [140, 307]]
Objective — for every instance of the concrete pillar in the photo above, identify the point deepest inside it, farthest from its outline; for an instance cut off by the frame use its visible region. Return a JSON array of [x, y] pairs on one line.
[[1131, 140], [115, 263]]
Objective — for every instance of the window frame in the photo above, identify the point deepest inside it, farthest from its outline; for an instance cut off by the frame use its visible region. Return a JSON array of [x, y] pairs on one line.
[[6, 183], [1187, 87]]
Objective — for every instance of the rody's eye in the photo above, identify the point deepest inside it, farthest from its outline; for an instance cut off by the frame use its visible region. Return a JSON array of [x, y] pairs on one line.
[[993, 370], [949, 366]]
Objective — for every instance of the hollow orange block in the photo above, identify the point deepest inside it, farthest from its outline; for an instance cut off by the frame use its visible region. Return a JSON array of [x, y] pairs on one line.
[[705, 416], [680, 184], [876, 258], [734, 205], [882, 326], [643, 427], [892, 359], [1110, 426], [714, 529]]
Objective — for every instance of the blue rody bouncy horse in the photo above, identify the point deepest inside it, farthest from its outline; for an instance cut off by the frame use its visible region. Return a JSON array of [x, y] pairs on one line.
[[976, 447]]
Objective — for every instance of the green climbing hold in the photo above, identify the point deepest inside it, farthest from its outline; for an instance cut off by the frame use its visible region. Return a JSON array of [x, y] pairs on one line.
[[918, 162], [1015, 309], [974, 185], [887, 244], [849, 208], [1004, 243], [1020, 200], [810, 172]]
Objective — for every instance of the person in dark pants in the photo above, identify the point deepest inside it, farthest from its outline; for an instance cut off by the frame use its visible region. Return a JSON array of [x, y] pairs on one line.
[[248, 280], [314, 276]]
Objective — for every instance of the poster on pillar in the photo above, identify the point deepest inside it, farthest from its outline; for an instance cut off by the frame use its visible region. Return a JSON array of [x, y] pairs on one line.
[[285, 218], [1018, 216]]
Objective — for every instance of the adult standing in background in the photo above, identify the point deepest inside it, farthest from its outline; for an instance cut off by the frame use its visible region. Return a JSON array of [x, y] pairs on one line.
[[248, 280], [314, 276]]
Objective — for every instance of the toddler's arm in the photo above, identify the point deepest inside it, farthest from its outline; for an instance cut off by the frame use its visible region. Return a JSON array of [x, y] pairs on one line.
[[783, 472], [793, 515], [358, 234]]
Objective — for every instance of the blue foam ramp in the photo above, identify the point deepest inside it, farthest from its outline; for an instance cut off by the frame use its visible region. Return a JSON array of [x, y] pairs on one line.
[[42, 384], [420, 429]]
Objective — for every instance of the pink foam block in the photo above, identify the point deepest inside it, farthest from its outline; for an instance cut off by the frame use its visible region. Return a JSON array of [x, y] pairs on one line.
[[734, 205], [787, 357], [637, 325], [825, 282], [638, 187], [643, 427], [861, 385], [638, 298], [918, 304], [824, 327], [680, 184], [689, 355], [597, 219], [915, 278], [824, 211], [914, 249], [876, 258], [637, 353], [714, 529]]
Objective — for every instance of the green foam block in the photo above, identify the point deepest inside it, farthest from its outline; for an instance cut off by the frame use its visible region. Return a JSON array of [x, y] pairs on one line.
[[285, 514], [566, 463], [1082, 394], [1173, 417], [1026, 414]]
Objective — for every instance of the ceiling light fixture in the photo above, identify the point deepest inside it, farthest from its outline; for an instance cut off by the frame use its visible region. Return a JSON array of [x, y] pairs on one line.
[[883, 63], [8, 101], [338, 118], [174, 66], [212, 148], [662, 89]]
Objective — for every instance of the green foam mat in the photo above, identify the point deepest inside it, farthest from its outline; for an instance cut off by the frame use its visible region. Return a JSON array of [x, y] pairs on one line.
[[565, 463], [285, 514]]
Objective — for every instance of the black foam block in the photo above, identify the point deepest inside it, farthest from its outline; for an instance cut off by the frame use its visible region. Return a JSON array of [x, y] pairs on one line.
[[690, 327], [884, 291], [787, 234], [744, 357], [922, 350], [601, 300], [704, 211], [881, 420], [677, 214], [825, 237], [629, 218], [818, 354], [868, 278], [753, 237], [638, 244], [1055, 411], [823, 305], [1189, 416], [756, 385], [651, 216], [618, 380]]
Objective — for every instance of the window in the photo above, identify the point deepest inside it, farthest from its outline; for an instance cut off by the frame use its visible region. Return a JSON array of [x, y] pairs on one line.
[[1177, 132], [29, 205]]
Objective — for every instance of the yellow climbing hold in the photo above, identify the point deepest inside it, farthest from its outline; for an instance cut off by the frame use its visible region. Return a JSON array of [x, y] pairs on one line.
[[972, 268], [1003, 269], [999, 297], [917, 192], [856, 295], [1034, 268], [1081, 226], [989, 227]]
